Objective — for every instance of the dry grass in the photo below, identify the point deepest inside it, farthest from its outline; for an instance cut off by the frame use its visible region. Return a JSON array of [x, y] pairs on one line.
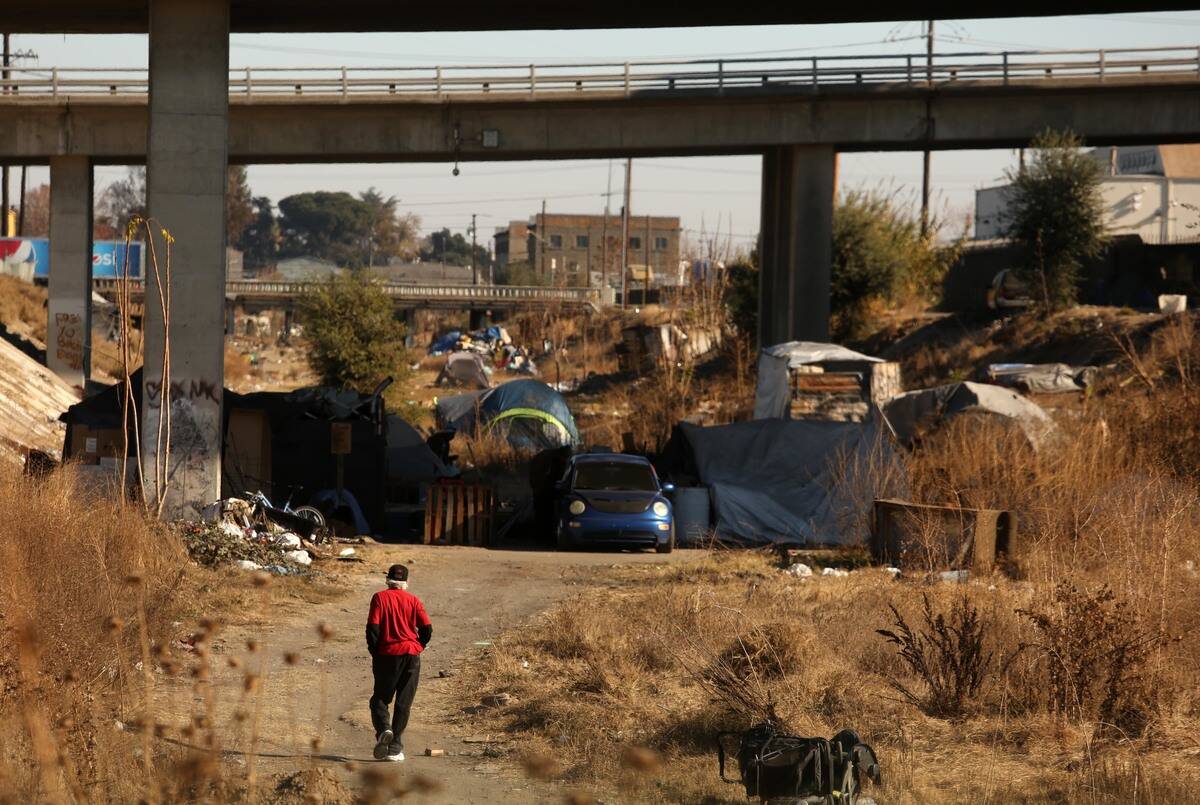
[[23, 307], [1083, 676]]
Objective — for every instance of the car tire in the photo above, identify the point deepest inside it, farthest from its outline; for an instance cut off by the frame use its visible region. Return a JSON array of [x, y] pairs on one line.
[[560, 539], [667, 546]]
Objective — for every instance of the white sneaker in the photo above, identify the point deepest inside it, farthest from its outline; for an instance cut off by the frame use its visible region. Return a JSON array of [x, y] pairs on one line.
[[396, 758], [383, 742]]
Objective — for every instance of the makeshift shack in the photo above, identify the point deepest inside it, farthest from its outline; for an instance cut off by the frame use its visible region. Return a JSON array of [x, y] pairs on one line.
[[811, 380], [281, 443], [467, 369], [528, 413], [1041, 378], [643, 347], [784, 481], [913, 412]]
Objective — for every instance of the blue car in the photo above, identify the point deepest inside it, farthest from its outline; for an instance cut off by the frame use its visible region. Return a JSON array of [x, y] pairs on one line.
[[613, 499]]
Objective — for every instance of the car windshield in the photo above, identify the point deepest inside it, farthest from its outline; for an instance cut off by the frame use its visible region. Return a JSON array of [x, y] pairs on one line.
[[614, 476]]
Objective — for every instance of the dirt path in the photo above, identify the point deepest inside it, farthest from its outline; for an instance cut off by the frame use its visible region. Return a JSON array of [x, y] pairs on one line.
[[471, 596]]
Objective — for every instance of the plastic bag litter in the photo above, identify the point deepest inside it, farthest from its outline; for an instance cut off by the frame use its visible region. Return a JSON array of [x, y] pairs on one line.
[[231, 530], [288, 540], [346, 552], [835, 571], [799, 570], [246, 564], [297, 558]]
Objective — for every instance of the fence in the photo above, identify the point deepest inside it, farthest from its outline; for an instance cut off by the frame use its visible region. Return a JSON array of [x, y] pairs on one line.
[[346, 83], [459, 514]]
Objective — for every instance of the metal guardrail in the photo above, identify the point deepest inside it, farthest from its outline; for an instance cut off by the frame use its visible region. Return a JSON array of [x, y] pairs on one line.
[[499, 294], [504, 81]]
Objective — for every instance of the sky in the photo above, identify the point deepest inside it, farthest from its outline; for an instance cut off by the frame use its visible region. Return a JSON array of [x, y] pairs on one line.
[[711, 194]]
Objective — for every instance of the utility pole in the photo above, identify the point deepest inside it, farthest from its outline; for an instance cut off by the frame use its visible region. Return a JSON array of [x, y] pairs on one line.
[[4, 205], [625, 236], [21, 205], [604, 241], [928, 133], [649, 262], [541, 239], [474, 270]]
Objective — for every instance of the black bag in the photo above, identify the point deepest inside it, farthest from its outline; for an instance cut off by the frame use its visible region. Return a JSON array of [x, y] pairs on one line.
[[774, 765]]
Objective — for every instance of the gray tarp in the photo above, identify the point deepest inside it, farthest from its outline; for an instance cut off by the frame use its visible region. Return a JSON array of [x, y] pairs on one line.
[[1042, 378], [772, 393], [914, 410], [781, 481], [466, 369], [409, 459]]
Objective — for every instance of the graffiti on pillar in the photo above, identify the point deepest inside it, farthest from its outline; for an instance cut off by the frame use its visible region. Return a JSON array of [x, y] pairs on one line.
[[69, 334], [187, 390]]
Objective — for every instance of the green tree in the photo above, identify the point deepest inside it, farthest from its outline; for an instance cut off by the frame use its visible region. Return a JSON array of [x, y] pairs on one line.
[[1055, 217], [332, 226], [239, 206], [879, 255], [741, 294], [391, 233], [454, 249], [353, 336], [259, 241]]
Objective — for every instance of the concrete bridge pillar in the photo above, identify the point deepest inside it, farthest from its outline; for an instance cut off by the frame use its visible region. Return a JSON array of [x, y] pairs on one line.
[[69, 308], [796, 255], [186, 164]]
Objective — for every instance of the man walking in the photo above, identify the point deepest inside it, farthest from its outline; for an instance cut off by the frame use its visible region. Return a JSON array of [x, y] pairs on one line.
[[397, 632]]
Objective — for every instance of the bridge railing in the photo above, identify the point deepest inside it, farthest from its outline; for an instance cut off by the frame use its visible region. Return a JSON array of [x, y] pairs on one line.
[[435, 292], [626, 78]]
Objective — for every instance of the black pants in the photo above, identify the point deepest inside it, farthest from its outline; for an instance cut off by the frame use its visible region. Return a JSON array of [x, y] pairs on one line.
[[395, 676]]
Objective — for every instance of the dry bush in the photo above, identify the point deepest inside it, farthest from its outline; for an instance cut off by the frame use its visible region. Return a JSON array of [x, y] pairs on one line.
[[23, 307], [949, 653]]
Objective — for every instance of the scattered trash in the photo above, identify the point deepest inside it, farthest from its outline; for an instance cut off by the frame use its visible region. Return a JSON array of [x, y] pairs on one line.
[[288, 540], [1172, 303], [894, 572], [298, 557], [431, 752], [231, 530], [445, 673], [483, 643], [346, 552], [246, 564], [497, 700], [836, 572], [955, 576], [799, 570]]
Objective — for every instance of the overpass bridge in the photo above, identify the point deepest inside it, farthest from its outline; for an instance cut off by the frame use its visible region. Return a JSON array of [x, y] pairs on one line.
[[655, 108], [188, 117], [274, 293]]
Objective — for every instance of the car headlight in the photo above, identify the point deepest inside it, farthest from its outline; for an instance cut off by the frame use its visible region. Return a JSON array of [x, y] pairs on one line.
[[577, 507], [661, 509]]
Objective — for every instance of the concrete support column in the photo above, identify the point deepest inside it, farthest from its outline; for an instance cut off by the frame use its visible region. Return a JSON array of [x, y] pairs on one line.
[[186, 164], [797, 243], [69, 328]]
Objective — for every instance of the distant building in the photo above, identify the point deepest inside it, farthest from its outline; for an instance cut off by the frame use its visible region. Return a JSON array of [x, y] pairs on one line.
[[1150, 191], [583, 249]]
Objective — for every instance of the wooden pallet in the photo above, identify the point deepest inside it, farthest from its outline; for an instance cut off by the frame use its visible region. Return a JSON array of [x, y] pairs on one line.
[[459, 514]]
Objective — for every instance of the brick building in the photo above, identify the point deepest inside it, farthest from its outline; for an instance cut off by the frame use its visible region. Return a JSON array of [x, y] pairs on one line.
[[587, 248]]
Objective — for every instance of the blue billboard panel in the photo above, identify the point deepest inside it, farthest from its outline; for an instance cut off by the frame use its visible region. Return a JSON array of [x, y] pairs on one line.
[[30, 257]]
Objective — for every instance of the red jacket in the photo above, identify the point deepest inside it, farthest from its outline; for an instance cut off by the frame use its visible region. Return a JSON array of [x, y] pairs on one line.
[[397, 624]]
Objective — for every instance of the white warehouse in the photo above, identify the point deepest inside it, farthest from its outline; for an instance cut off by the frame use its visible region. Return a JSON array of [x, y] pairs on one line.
[[1151, 191]]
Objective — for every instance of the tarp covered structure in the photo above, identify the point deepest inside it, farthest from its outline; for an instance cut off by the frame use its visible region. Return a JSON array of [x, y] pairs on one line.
[[409, 458], [528, 413], [914, 411], [784, 481], [772, 395], [1042, 378]]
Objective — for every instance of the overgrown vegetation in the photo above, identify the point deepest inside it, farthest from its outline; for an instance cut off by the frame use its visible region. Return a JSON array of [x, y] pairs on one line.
[[1055, 217], [354, 339]]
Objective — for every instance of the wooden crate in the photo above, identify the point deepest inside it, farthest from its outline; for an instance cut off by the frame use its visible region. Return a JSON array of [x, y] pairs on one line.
[[459, 514]]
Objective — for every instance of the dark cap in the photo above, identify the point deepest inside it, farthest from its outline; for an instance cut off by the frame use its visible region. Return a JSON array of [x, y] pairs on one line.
[[397, 573]]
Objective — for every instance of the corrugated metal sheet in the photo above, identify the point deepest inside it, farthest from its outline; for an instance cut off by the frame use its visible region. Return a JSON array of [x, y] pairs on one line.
[[31, 399]]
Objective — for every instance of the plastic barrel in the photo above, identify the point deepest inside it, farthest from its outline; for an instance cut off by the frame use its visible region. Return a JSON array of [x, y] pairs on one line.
[[692, 523]]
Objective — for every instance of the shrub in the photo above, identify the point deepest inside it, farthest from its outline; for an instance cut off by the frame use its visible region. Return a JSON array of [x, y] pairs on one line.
[[949, 656], [1056, 217], [354, 339], [1094, 651]]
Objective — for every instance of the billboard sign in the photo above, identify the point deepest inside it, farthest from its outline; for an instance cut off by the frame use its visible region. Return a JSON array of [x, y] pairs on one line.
[[29, 258]]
